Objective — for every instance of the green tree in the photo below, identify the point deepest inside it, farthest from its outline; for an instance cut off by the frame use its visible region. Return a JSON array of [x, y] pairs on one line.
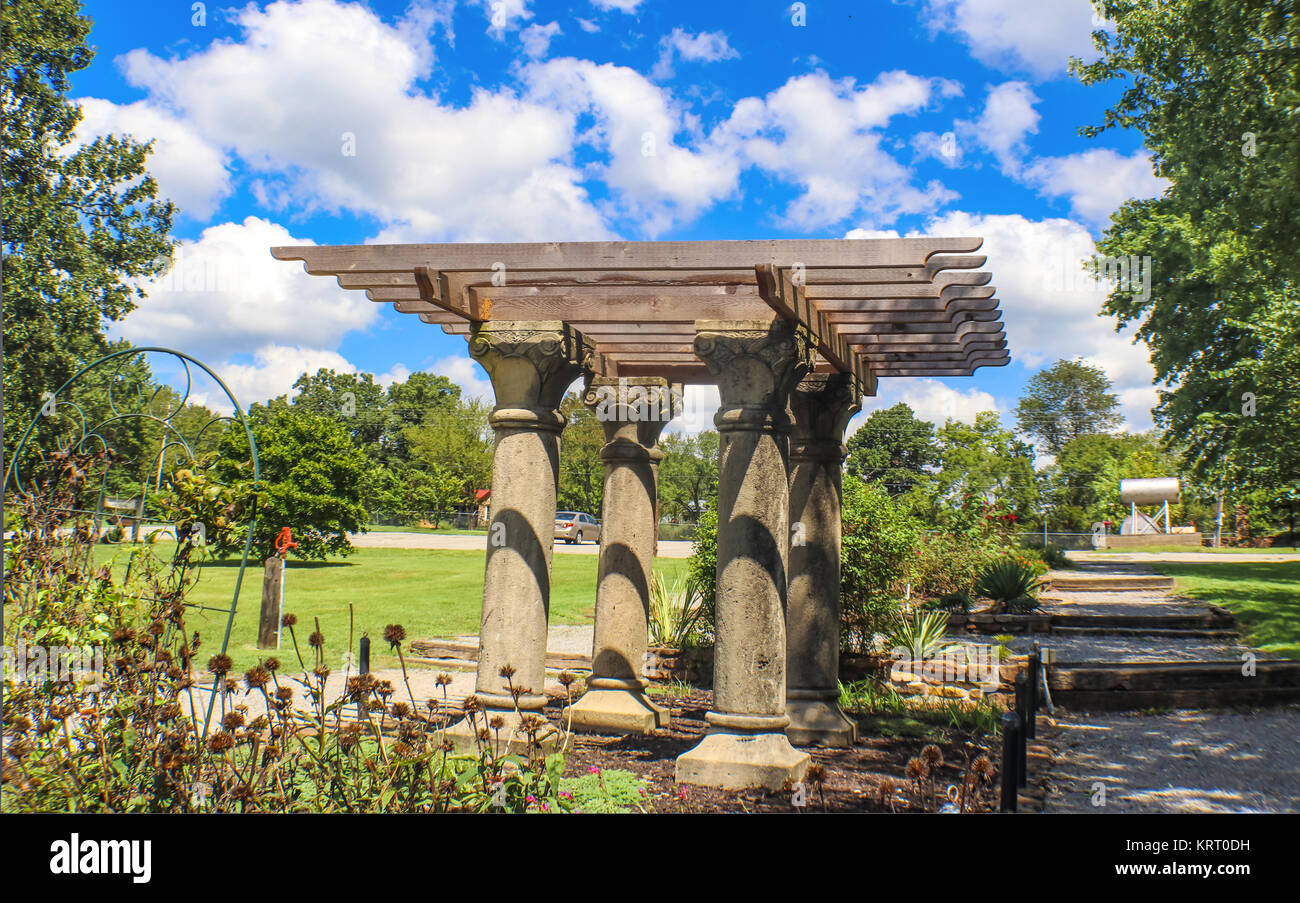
[[354, 399], [893, 447], [458, 438], [1065, 401], [1213, 88], [688, 475], [81, 225], [985, 461], [312, 476], [582, 473]]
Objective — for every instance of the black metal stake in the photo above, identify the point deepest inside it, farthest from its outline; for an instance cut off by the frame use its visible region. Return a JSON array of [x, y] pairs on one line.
[[1022, 715], [365, 654], [1010, 760], [1034, 667]]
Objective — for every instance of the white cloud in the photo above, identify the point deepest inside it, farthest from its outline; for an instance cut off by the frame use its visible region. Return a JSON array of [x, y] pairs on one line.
[[307, 76], [504, 15], [705, 47], [826, 136], [466, 373], [1050, 309], [1095, 181], [275, 369], [652, 179], [190, 170], [1008, 116], [930, 399], [623, 6], [1039, 37], [537, 39], [225, 295]]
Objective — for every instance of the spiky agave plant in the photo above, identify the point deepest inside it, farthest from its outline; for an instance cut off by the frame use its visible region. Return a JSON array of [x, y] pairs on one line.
[[675, 610], [1012, 586], [921, 633]]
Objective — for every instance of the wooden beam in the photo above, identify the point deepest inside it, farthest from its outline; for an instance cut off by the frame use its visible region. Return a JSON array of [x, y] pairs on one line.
[[624, 255], [790, 302]]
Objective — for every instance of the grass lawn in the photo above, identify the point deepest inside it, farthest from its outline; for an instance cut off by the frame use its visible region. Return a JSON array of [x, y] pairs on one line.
[[1202, 550], [442, 531], [1265, 597], [430, 592]]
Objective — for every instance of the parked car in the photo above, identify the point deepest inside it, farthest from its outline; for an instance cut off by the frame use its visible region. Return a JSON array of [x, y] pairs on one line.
[[574, 526]]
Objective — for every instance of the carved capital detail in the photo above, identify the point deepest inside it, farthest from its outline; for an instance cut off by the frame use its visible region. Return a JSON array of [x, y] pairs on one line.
[[530, 364], [756, 365], [821, 406]]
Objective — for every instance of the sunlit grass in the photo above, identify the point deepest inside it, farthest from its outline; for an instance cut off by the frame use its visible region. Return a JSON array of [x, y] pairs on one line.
[[431, 592]]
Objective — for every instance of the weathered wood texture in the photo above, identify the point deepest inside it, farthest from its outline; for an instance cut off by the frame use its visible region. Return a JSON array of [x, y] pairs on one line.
[[873, 307]]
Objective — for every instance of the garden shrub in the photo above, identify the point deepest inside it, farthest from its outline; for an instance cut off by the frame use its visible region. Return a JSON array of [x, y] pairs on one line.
[[128, 736]]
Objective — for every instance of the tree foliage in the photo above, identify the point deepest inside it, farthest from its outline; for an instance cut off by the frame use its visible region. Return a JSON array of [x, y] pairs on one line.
[[1065, 401], [311, 478], [893, 447], [1213, 88], [82, 224]]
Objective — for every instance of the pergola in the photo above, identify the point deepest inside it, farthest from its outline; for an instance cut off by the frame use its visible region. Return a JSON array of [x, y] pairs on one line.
[[794, 333]]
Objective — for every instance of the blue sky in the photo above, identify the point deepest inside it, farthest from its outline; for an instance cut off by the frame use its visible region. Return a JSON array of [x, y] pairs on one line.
[[514, 120]]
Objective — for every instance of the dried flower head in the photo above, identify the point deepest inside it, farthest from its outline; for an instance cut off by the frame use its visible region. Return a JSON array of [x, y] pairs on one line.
[[982, 768], [507, 671], [916, 769], [220, 664], [288, 620], [932, 756], [394, 634]]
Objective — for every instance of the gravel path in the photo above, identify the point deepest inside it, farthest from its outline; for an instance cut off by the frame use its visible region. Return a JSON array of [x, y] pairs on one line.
[[1183, 761], [477, 542]]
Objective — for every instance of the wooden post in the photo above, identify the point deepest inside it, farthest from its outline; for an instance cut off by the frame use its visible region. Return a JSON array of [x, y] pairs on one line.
[[271, 582]]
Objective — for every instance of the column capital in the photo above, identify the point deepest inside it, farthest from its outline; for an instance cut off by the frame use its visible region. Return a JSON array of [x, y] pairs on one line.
[[756, 364], [632, 411], [821, 405], [531, 364]]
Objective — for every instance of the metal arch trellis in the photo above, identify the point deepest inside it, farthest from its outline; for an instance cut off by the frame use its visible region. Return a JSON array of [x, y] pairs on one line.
[[172, 439]]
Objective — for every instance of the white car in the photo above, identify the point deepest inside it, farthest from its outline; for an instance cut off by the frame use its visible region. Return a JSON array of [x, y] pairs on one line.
[[574, 526]]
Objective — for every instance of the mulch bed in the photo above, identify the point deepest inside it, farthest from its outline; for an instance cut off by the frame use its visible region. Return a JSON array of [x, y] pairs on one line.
[[852, 783]]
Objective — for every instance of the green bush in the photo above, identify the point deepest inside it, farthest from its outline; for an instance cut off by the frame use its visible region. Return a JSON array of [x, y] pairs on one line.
[[703, 568], [877, 560]]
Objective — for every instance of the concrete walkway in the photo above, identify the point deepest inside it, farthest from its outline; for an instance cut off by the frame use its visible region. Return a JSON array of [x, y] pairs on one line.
[[1184, 557], [477, 542]]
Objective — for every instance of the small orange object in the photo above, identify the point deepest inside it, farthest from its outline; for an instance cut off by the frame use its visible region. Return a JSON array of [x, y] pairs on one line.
[[284, 542]]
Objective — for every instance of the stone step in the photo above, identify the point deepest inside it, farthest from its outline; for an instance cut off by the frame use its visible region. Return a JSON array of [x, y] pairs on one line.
[[1155, 632], [1145, 685], [1110, 583], [1172, 676]]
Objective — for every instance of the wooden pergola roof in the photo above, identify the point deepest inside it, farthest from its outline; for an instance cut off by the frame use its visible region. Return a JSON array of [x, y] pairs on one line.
[[875, 307]]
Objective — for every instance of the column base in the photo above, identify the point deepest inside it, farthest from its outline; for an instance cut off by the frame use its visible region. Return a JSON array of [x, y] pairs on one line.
[[509, 739], [617, 711], [819, 722], [739, 760]]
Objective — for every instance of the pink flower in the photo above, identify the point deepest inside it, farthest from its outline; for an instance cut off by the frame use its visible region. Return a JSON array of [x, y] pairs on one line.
[[564, 794], [681, 793], [594, 769]]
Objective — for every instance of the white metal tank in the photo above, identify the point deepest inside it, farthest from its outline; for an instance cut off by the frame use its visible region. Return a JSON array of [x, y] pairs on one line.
[[1153, 491]]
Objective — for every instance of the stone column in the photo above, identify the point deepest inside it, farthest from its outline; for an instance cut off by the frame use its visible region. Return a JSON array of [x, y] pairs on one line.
[[531, 364], [821, 405], [632, 414], [756, 365]]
